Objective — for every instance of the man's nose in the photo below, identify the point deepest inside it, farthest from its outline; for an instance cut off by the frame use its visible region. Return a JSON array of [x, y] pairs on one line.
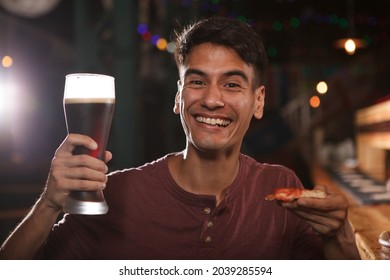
[[212, 97]]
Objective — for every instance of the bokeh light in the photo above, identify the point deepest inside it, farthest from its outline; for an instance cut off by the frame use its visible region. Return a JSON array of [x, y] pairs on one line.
[[315, 101], [294, 22], [350, 46], [142, 28], [277, 25], [154, 39], [3, 103], [7, 61], [171, 47], [322, 87], [272, 51], [8, 104], [162, 44]]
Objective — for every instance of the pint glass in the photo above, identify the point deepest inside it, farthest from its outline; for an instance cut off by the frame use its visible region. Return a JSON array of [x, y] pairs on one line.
[[89, 101]]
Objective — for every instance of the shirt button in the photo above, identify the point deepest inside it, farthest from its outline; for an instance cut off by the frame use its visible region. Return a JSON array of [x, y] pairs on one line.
[[210, 224], [207, 210], [207, 239]]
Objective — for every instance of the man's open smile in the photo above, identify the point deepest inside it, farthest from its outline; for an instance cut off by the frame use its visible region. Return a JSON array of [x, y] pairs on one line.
[[213, 121]]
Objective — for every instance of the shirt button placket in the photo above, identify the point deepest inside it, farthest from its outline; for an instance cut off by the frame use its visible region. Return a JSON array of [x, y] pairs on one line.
[[207, 239]]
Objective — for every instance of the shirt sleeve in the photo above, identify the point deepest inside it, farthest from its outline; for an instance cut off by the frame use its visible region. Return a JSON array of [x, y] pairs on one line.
[[307, 245]]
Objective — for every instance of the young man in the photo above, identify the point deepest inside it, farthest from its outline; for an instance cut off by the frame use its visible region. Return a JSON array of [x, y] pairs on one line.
[[206, 202]]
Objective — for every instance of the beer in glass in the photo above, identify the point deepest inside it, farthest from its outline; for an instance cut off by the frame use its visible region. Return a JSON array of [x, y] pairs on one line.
[[89, 101]]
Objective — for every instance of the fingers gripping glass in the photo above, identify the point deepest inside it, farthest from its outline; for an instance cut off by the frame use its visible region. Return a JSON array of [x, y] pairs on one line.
[[89, 101]]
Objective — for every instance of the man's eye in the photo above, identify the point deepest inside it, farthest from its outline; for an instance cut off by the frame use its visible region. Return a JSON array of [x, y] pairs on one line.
[[232, 85], [195, 83]]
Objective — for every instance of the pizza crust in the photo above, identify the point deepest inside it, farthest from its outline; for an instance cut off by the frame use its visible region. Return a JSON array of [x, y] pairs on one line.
[[290, 194]]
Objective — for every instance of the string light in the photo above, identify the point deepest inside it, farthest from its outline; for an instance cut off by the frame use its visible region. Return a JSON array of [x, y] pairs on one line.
[[154, 39], [171, 47], [142, 28], [162, 44]]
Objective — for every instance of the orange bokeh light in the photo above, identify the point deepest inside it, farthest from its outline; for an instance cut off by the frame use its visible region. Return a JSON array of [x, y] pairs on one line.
[[162, 44], [7, 61], [315, 101]]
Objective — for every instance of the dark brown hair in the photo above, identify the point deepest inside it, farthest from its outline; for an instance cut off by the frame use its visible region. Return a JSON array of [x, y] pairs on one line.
[[231, 33]]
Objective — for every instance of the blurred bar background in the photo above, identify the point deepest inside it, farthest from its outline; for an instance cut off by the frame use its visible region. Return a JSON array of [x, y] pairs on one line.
[[315, 86]]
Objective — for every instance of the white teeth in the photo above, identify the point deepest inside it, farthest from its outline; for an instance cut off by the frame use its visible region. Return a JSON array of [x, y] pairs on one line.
[[211, 121]]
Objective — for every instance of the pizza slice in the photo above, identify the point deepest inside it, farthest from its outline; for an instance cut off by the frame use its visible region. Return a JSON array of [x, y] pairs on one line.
[[290, 194]]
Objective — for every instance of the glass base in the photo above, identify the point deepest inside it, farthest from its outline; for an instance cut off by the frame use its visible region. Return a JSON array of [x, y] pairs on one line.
[[86, 203]]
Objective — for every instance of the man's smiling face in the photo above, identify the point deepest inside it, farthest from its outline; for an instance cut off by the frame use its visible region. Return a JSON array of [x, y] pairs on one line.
[[217, 98]]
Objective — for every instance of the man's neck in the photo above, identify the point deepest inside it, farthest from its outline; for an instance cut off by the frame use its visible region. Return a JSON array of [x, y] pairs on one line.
[[204, 173]]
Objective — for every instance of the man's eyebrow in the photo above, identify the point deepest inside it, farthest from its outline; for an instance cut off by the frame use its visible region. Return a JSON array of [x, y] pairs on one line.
[[237, 73], [193, 71]]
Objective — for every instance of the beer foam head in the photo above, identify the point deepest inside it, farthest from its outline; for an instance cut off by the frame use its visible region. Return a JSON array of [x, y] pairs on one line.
[[86, 85]]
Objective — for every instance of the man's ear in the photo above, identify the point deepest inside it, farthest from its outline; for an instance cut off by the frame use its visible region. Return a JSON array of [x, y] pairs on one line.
[[176, 107], [259, 102]]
